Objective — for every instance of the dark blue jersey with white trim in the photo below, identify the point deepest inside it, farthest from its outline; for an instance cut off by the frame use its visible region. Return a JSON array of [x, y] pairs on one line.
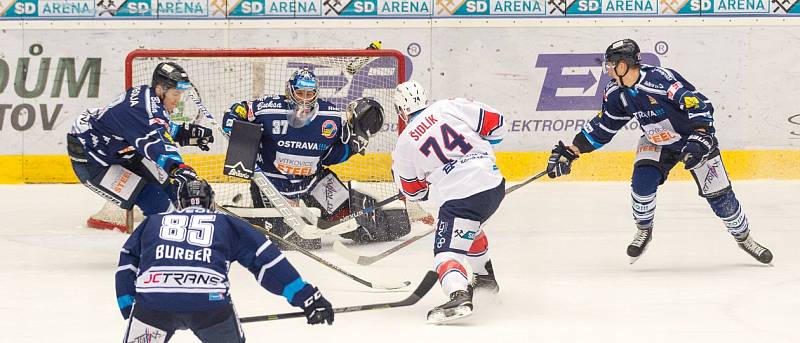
[[179, 261], [293, 157], [666, 106], [135, 123]]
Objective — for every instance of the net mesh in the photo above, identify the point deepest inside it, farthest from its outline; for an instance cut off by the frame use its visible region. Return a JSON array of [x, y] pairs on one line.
[[222, 78]]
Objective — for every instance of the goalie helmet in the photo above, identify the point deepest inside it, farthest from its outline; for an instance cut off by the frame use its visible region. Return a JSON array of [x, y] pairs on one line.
[[196, 193], [623, 50], [366, 115], [301, 95], [170, 75], [409, 97]]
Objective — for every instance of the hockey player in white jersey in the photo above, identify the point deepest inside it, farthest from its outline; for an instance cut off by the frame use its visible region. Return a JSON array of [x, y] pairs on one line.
[[445, 154]]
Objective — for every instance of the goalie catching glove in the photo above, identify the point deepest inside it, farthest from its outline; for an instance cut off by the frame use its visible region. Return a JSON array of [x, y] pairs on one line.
[[364, 119], [194, 135]]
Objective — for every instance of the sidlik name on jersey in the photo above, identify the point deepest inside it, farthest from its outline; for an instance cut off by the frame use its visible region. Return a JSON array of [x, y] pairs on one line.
[[420, 129]]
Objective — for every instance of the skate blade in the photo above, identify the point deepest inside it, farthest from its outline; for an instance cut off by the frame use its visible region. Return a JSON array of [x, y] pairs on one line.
[[634, 259], [447, 315]]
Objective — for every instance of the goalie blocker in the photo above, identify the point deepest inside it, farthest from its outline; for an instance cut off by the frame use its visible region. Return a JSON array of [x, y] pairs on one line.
[[328, 194]]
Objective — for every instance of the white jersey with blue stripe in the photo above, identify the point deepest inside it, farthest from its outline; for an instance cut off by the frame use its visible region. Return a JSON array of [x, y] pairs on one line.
[[448, 145]]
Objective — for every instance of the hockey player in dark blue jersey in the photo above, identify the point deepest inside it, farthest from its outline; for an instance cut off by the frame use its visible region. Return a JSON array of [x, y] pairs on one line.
[[677, 122], [173, 273], [128, 151], [302, 135]]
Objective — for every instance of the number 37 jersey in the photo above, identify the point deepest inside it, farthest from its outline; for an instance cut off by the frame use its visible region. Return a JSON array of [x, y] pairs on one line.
[[448, 146]]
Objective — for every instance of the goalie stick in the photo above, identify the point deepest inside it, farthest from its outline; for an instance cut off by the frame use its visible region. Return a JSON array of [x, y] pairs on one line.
[[279, 239], [424, 286], [363, 260]]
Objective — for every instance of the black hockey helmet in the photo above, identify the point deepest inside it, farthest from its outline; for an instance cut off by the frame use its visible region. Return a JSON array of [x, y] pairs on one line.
[[170, 75], [624, 50], [196, 193], [366, 115]]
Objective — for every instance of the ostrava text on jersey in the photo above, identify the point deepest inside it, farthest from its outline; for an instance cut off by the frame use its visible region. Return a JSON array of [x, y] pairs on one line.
[[179, 261], [292, 157], [666, 106], [135, 123]]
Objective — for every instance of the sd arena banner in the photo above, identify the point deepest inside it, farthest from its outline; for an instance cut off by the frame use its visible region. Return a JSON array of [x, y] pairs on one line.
[[348, 9], [546, 79]]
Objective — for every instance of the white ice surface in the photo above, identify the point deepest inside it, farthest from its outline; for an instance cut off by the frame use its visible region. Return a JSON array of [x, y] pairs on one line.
[[558, 250]]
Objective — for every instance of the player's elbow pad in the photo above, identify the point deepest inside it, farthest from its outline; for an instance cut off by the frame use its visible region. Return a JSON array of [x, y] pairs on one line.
[[584, 143]]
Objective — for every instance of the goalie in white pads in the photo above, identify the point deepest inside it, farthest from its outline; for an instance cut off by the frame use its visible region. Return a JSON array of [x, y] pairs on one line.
[[303, 135], [445, 154]]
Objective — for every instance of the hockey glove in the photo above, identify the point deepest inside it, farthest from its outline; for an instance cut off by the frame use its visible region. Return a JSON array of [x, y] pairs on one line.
[[560, 161], [699, 146], [317, 309], [356, 140], [181, 175], [195, 135]]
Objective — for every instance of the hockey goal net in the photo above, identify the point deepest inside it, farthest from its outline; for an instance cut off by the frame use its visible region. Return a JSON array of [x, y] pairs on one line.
[[222, 77]]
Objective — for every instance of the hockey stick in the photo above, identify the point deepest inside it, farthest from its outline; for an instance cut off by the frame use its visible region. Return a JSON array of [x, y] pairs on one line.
[[354, 257], [523, 183], [348, 253], [324, 224], [424, 286], [314, 257]]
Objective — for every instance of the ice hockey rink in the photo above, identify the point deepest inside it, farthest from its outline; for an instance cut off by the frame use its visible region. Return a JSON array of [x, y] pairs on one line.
[[558, 249]]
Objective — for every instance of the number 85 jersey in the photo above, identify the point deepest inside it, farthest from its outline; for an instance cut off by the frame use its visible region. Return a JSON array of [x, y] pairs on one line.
[[448, 146]]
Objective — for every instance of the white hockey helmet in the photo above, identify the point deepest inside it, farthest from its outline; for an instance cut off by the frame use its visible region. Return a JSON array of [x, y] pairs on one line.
[[409, 97]]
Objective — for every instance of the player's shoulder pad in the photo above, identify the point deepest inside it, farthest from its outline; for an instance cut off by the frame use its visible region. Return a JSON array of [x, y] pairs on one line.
[[658, 77], [140, 98], [611, 87], [327, 106], [270, 104]]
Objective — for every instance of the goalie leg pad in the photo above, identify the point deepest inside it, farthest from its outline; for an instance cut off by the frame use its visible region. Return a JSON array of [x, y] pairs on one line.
[[278, 226], [380, 225]]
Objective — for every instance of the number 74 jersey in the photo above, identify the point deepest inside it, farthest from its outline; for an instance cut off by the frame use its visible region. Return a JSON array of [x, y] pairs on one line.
[[446, 150]]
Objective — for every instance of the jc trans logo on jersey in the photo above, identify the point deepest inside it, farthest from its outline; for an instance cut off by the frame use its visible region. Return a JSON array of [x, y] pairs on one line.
[[575, 82]]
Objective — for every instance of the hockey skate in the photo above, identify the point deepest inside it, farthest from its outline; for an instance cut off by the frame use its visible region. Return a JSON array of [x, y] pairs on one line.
[[639, 244], [758, 251], [486, 282], [459, 306]]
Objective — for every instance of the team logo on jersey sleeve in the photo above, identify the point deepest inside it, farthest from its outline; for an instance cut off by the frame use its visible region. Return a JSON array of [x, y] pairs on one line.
[[329, 129]]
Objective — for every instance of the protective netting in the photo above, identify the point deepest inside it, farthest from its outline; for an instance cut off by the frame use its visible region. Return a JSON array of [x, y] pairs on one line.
[[224, 77]]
